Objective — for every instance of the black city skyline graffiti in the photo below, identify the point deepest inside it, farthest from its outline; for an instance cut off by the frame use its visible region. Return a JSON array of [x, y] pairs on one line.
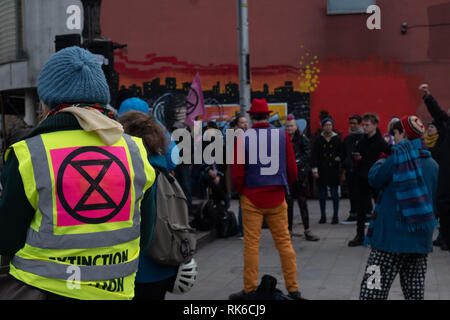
[[298, 102]]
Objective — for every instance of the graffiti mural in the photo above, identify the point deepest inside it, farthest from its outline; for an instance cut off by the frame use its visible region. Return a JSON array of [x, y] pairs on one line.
[[156, 76]]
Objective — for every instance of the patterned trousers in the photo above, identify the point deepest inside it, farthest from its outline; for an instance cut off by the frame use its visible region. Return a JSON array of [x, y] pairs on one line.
[[382, 268]]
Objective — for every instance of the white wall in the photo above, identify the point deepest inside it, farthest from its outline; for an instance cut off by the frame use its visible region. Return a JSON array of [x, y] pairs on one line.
[[43, 20]]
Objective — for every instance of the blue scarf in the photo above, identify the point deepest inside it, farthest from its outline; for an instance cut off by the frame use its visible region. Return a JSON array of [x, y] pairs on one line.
[[414, 204]]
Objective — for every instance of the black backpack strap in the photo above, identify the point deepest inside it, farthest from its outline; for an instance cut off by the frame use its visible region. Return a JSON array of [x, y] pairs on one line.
[[165, 172], [168, 176]]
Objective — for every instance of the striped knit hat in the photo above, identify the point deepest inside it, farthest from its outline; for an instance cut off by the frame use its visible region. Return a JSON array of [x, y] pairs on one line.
[[72, 75], [413, 126]]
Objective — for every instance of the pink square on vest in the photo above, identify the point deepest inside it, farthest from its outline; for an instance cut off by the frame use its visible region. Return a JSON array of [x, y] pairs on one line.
[[92, 185]]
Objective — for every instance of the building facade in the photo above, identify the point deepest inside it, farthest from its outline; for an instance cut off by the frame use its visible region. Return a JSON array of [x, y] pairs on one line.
[[27, 39], [315, 55]]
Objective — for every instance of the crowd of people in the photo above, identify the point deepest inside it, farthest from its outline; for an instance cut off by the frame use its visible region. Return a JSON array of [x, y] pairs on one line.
[[84, 150]]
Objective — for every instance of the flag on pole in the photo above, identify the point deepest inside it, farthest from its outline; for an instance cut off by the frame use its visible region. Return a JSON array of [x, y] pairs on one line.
[[195, 102]]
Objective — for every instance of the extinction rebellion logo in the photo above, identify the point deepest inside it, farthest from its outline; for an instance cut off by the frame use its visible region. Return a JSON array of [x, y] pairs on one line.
[[92, 185]]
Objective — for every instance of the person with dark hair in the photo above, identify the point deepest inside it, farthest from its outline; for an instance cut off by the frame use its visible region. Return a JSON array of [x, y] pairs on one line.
[[367, 152], [174, 109], [431, 138], [211, 125], [355, 135], [183, 170], [326, 161], [401, 230], [240, 122], [153, 280], [263, 197], [442, 152], [299, 188], [215, 180], [322, 115], [388, 137]]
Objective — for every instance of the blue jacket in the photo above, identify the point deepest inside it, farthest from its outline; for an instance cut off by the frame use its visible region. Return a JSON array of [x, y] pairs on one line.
[[150, 271], [382, 233]]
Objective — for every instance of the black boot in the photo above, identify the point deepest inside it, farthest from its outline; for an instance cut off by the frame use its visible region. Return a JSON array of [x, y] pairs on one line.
[[357, 241], [295, 295], [241, 295]]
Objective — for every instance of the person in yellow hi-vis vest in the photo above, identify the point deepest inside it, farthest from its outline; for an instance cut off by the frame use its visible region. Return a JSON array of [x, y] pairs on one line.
[[76, 191]]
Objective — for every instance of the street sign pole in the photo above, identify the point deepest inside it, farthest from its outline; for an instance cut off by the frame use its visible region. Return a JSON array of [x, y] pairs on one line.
[[244, 57]]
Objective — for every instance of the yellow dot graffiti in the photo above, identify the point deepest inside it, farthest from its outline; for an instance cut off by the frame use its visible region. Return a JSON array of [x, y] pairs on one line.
[[309, 79]]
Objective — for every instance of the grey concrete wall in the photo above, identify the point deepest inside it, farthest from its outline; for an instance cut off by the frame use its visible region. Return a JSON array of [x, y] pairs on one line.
[[43, 20]]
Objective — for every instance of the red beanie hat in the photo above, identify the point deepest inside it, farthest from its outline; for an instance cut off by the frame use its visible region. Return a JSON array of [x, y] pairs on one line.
[[413, 126], [259, 106]]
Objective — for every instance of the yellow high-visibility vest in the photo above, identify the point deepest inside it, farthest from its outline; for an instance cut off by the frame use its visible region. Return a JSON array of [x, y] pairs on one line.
[[83, 241]]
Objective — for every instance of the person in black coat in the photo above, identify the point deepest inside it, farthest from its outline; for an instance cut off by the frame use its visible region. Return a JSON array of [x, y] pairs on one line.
[[432, 140], [442, 121], [299, 189], [367, 152], [356, 133], [326, 160]]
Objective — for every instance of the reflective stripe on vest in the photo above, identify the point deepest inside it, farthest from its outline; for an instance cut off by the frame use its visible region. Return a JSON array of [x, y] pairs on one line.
[[87, 199], [87, 273]]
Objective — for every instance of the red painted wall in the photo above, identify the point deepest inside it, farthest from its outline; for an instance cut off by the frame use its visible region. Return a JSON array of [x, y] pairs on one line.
[[357, 70]]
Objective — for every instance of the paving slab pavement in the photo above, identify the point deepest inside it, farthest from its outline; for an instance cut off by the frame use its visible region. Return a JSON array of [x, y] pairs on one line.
[[327, 269]]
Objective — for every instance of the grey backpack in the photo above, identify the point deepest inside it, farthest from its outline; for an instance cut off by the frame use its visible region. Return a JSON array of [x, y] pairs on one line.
[[174, 240]]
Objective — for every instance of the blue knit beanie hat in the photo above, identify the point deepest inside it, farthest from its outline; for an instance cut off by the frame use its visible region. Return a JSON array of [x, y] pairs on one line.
[[72, 75], [133, 104], [325, 120]]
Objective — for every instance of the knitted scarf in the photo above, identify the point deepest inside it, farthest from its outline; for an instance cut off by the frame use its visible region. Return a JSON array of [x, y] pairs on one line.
[[430, 141], [357, 131], [414, 204], [94, 118]]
